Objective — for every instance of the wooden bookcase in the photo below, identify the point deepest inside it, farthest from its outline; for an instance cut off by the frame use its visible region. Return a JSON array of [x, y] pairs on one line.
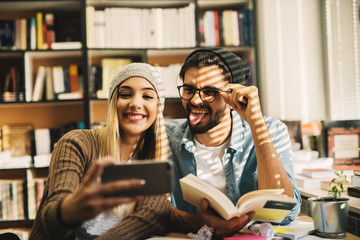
[[73, 14]]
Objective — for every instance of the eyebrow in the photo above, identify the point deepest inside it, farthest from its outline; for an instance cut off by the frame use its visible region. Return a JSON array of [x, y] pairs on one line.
[[188, 85], [127, 87]]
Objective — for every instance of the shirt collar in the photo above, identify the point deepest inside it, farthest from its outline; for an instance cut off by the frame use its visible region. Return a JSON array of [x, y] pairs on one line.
[[237, 133]]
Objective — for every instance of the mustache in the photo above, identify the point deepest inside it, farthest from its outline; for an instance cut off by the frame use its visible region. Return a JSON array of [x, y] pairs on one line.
[[189, 106]]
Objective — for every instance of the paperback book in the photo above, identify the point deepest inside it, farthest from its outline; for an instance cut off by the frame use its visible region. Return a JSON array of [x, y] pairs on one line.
[[270, 205]]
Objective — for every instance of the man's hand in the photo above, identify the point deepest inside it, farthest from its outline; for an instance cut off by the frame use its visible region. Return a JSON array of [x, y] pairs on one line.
[[245, 100], [90, 199], [222, 228]]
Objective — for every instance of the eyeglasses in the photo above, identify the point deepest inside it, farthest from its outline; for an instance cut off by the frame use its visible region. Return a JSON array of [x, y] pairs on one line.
[[207, 94]]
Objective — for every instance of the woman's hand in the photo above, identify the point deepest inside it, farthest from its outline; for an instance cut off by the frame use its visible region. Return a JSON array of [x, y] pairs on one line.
[[243, 99], [90, 199]]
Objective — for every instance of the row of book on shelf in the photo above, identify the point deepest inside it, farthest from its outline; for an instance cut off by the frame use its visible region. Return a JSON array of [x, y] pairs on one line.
[[66, 82], [141, 27], [322, 178], [55, 83], [50, 83], [338, 140], [21, 146], [12, 85], [35, 33], [102, 74], [226, 28], [20, 199]]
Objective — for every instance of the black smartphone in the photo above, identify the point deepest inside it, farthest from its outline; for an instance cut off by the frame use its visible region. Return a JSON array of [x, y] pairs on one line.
[[157, 174]]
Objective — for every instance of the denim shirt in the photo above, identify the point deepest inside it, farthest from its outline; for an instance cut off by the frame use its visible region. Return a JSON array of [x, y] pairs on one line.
[[239, 159]]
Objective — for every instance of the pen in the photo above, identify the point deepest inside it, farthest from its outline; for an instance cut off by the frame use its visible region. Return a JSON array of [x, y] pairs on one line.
[[251, 226], [227, 91]]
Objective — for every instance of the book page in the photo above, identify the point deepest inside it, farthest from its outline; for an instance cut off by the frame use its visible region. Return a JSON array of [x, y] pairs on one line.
[[262, 192], [194, 189], [268, 207]]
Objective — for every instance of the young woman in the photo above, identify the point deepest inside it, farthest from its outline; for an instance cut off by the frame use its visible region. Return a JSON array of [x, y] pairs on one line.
[[73, 205]]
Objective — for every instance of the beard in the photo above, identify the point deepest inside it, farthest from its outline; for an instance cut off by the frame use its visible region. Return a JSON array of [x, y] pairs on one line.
[[213, 122]]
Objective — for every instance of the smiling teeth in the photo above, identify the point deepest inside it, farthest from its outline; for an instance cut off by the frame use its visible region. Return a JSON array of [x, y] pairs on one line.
[[135, 117], [198, 111]]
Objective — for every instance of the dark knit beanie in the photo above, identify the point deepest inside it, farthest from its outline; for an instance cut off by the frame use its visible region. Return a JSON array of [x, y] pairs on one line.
[[239, 69]]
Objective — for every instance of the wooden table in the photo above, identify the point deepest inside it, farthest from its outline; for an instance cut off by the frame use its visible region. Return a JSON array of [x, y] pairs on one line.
[[301, 217]]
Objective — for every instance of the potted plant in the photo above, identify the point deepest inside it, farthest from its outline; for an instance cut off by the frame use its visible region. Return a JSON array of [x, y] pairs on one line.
[[330, 214]]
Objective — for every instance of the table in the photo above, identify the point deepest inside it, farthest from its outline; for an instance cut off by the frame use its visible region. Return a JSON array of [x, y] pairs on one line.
[[173, 236]]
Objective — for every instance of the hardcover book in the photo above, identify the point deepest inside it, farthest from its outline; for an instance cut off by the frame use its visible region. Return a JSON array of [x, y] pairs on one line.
[[110, 66], [354, 191], [270, 205], [355, 180], [324, 172], [309, 182], [7, 34]]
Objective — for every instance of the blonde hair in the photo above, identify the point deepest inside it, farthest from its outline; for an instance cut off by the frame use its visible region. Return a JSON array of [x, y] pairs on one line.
[[109, 141]]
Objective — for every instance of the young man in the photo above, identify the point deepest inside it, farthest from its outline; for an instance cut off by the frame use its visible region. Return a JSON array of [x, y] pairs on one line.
[[226, 140]]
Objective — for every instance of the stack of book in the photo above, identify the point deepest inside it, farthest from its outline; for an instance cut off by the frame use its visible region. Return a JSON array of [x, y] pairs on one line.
[[354, 191], [320, 178]]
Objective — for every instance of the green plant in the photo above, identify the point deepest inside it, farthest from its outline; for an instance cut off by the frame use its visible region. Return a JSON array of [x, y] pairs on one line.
[[338, 188]]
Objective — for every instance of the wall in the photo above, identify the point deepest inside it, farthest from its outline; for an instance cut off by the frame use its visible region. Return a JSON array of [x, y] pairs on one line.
[[291, 59]]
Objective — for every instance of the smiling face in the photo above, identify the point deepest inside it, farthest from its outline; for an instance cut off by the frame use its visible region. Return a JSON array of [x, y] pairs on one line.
[[136, 106], [203, 116]]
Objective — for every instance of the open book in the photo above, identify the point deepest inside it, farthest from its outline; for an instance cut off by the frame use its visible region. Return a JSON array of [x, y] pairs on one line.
[[270, 205]]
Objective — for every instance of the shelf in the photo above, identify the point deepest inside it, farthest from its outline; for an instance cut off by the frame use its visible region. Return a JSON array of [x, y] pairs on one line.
[[222, 3], [53, 54], [54, 5], [138, 3]]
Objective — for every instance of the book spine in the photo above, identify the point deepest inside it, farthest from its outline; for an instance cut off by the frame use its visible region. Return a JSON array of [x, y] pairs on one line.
[[241, 28], [33, 35], [201, 30], [74, 78], [23, 34], [50, 32], [39, 84], [39, 30], [7, 33], [217, 28]]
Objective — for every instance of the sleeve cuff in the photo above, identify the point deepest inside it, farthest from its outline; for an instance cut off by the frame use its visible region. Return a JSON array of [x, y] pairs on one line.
[[53, 222]]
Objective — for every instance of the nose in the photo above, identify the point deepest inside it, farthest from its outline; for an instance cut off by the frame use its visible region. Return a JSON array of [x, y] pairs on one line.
[[196, 99], [135, 102]]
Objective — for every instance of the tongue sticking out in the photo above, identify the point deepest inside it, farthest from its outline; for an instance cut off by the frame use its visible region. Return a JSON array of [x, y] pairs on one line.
[[195, 118]]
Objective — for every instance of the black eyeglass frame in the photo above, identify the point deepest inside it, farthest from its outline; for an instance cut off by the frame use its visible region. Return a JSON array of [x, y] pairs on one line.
[[216, 90]]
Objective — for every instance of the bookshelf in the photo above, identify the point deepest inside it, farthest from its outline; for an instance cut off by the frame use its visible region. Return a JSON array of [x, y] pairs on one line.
[[74, 22], [21, 203]]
